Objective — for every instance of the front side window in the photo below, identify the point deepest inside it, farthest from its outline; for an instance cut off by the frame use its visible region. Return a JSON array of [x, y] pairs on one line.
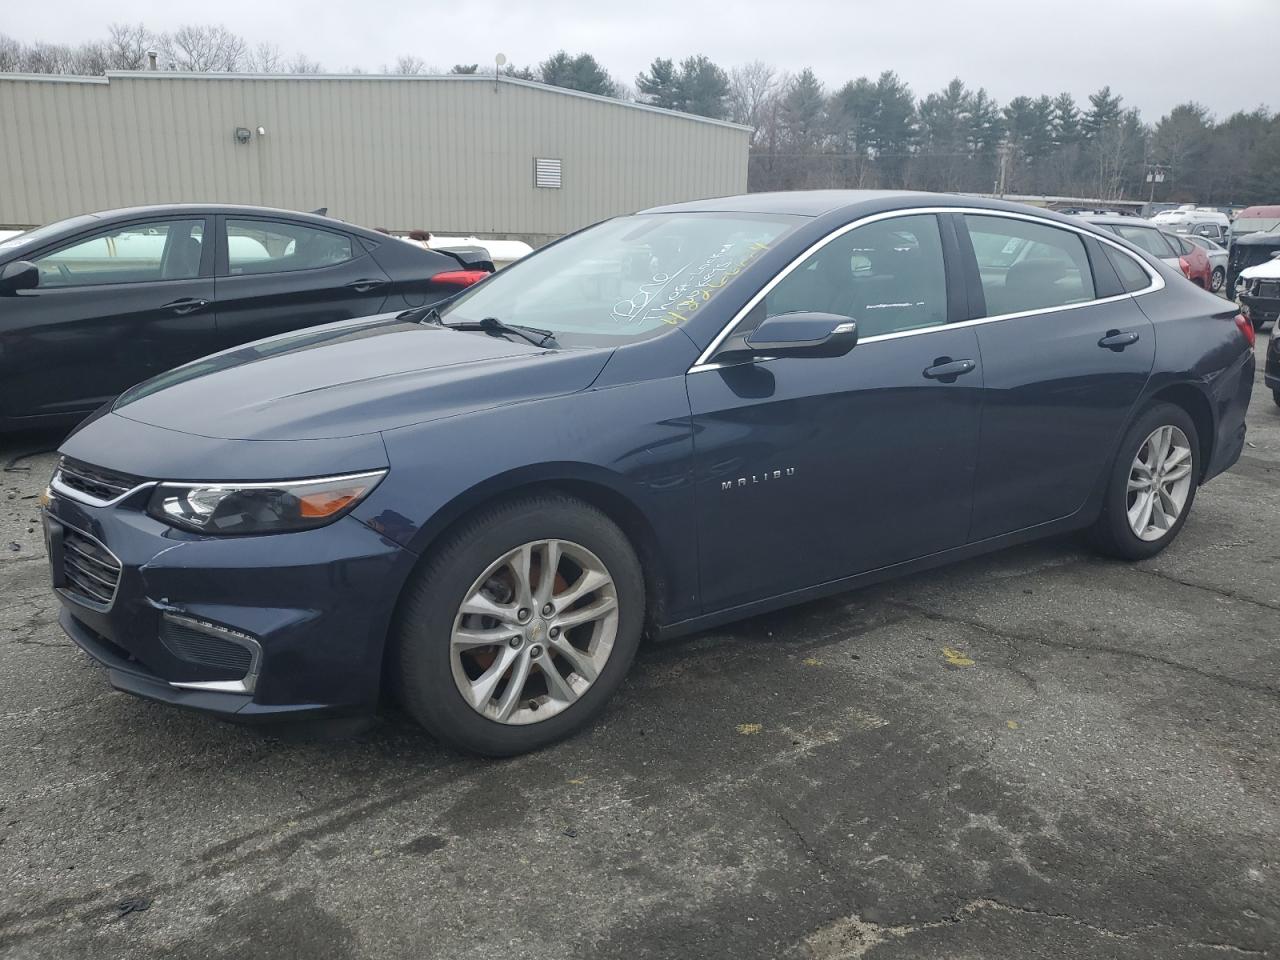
[[270, 246], [888, 275], [1028, 266], [138, 253], [1145, 238], [625, 279]]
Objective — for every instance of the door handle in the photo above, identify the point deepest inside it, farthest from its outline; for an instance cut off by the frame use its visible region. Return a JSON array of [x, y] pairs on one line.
[[364, 286], [185, 305], [946, 369], [1117, 340]]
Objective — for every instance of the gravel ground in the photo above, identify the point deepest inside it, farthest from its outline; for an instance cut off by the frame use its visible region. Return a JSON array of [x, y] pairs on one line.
[[1035, 754]]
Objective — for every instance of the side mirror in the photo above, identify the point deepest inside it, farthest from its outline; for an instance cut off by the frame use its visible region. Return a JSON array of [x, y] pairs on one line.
[[801, 334], [19, 275]]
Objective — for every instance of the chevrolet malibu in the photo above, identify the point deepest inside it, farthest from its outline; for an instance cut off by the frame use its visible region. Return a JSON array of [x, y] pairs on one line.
[[662, 423]]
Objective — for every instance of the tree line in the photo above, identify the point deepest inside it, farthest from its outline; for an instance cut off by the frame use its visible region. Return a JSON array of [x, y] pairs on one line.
[[864, 133]]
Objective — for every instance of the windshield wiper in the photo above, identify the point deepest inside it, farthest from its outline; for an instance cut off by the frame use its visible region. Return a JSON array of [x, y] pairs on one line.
[[539, 338]]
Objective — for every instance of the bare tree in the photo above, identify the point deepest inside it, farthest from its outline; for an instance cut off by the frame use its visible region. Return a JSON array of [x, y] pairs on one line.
[[264, 58], [408, 65], [750, 88], [127, 46], [303, 64], [10, 54], [203, 49]]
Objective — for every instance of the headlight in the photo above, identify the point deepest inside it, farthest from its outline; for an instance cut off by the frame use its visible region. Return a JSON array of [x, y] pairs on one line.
[[240, 508]]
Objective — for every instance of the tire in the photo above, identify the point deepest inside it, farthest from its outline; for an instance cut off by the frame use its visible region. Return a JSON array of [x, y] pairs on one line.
[[1217, 279], [1113, 532], [433, 655], [1275, 395], [1257, 321]]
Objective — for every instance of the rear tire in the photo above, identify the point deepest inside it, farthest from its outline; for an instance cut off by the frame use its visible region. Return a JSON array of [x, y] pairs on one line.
[[1218, 278], [1257, 321], [1275, 395], [478, 565], [1160, 457]]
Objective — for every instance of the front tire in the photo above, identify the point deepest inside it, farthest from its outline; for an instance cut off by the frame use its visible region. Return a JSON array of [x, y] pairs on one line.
[[520, 626], [1152, 484]]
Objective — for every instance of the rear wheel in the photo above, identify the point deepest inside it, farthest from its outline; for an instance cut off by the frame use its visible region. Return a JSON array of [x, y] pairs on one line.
[[1218, 278], [1256, 320], [1152, 484], [521, 626], [1275, 395]]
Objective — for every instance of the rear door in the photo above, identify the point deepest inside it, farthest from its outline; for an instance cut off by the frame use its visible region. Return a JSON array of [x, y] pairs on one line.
[[276, 275], [1065, 355], [114, 306]]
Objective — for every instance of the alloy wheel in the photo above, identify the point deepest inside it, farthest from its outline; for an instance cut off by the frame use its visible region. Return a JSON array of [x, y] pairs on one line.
[[1217, 279], [534, 631], [1159, 482]]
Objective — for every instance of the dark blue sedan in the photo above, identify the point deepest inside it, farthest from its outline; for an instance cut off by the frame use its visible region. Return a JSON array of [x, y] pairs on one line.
[[662, 423]]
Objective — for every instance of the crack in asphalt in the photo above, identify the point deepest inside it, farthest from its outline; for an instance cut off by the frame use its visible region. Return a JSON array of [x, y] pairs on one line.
[[1220, 591], [1020, 637], [871, 935]]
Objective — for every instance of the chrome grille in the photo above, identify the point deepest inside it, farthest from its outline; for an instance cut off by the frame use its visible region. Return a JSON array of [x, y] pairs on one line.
[[92, 571], [94, 483]]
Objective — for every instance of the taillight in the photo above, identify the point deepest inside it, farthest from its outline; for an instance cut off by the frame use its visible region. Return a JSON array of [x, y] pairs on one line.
[[1245, 326], [1186, 267], [460, 278]]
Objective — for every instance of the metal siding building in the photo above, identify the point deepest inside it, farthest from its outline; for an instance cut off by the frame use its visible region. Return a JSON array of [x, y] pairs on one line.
[[446, 154]]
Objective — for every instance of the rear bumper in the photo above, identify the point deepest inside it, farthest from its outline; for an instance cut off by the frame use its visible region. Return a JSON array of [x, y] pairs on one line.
[[1229, 398]]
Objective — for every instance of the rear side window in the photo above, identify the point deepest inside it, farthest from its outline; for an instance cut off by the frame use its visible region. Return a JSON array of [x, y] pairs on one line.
[[138, 253], [1132, 277], [268, 246], [1028, 266], [1145, 238]]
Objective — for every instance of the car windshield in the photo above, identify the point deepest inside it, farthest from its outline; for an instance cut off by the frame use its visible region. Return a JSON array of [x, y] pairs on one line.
[[40, 234], [626, 279]]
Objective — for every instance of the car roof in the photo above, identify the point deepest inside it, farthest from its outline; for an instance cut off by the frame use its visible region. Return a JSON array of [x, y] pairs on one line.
[[1107, 218], [165, 209], [851, 203]]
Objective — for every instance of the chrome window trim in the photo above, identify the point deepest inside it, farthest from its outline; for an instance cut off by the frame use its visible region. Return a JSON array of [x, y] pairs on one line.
[[245, 684], [78, 599], [704, 361]]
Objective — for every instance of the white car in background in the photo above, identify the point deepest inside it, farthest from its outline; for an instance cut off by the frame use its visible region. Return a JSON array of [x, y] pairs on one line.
[[1194, 222], [1217, 259]]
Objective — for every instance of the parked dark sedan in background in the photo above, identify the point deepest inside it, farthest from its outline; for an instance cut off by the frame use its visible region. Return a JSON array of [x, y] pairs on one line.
[[97, 303], [669, 420]]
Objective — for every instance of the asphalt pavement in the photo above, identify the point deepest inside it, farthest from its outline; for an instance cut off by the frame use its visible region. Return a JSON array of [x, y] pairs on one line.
[[1040, 753]]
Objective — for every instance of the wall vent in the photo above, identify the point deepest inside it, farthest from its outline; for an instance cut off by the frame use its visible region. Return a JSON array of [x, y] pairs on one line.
[[546, 173]]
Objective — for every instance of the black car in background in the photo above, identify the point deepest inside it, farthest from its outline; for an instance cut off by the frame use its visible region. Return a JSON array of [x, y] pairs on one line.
[[94, 304]]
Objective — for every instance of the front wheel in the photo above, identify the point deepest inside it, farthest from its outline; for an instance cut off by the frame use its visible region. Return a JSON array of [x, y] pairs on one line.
[[1218, 278], [520, 626], [1152, 484]]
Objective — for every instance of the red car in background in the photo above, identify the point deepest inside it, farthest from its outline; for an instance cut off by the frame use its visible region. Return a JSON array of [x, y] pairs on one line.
[[1194, 261]]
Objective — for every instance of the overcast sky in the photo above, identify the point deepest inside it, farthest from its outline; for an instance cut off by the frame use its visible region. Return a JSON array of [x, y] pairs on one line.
[[1145, 49]]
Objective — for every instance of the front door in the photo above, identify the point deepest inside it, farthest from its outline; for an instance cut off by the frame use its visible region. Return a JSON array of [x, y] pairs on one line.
[[113, 308], [810, 470], [276, 275], [1062, 373]]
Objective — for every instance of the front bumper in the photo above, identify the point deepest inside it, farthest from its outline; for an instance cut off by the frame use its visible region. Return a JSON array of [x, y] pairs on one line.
[[1259, 309], [315, 605], [1271, 372]]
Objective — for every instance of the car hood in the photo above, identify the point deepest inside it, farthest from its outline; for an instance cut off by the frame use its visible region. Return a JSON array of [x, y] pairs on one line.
[[1267, 270], [352, 378]]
